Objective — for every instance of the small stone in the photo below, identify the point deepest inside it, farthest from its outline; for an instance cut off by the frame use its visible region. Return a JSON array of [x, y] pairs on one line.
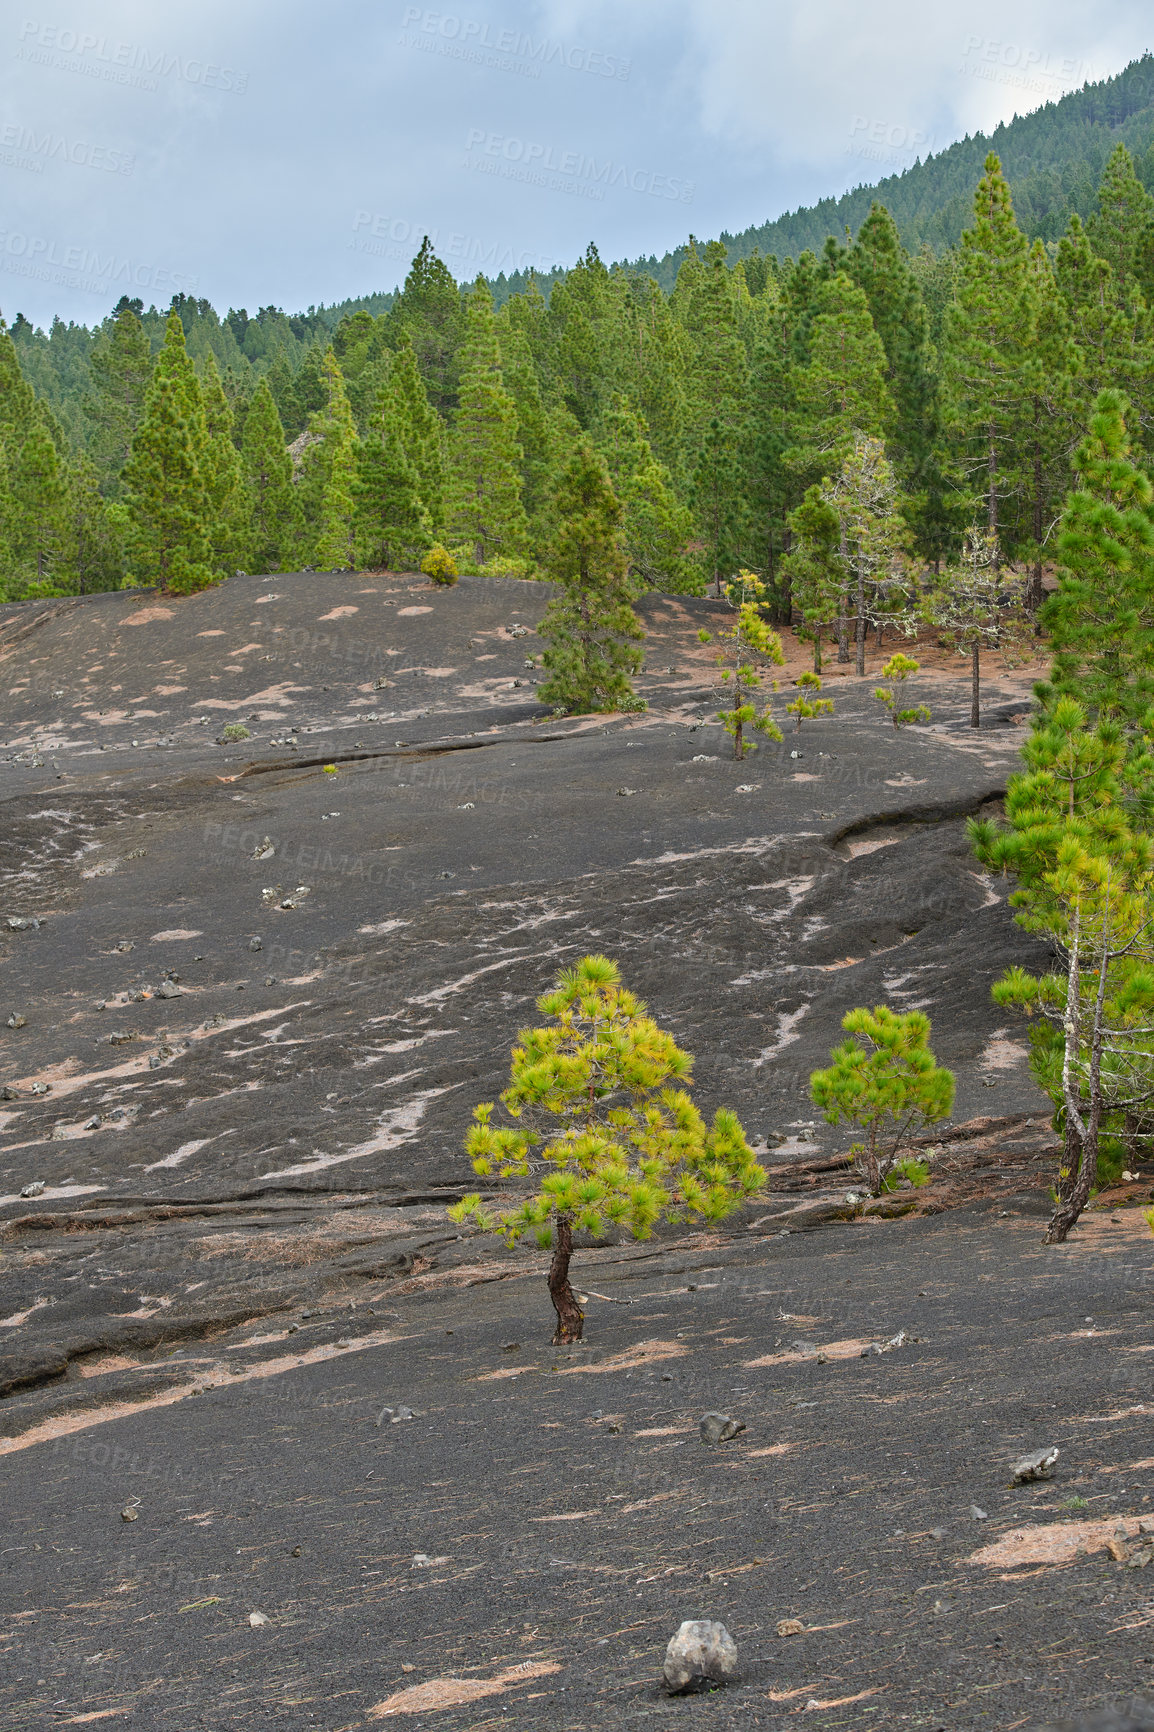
[[1146, 1525], [34, 1189], [422, 1561], [701, 1652], [169, 989], [1039, 1465], [22, 923], [510, 1346], [626, 792], [597, 1414], [719, 1428], [119, 1037], [979, 1515], [938, 1533], [16, 1020], [790, 1627], [264, 849], [94, 1123], [1118, 1549], [41, 1088], [296, 1552], [256, 944], [256, 1619], [128, 1514], [407, 1666]]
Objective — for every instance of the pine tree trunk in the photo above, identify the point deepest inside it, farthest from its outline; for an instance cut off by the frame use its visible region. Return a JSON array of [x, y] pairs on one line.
[[570, 1317], [992, 482], [975, 686], [1080, 1158], [843, 612], [860, 624]]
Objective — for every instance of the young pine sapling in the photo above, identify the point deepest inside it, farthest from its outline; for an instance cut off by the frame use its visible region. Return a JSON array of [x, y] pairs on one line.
[[899, 669], [598, 1098], [746, 652], [887, 1082], [807, 704]]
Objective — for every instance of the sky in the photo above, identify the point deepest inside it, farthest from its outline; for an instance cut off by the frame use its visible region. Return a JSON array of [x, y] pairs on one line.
[[293, 154]]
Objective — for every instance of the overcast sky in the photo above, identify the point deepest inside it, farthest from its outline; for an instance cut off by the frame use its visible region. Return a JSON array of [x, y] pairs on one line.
[[295, 153]]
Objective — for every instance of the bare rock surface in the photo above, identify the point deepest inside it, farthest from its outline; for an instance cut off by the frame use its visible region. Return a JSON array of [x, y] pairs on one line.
[[262, 985]]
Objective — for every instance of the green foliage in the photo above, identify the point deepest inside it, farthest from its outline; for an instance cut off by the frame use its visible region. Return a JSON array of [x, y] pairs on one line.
[[899, 669], [485, 459], [166, 475], [590, 629], [807, 704], [439, 564], [272, 516], [599, 1100], [916, 1171], [235, 731], [746, 651], [887, 1082]]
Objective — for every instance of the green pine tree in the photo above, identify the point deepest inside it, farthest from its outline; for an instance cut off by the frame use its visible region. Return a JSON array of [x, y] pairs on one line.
[[989, 331], [485, 507], [421, 430], [333, 471], [428, 312], [272, 517], [841, 391], [166, 493], [1121, 230], [120, 368], [92, 556], [717, 499], [222, 474], [1101, 617], [591, 629], [392, 528], [38, 488]]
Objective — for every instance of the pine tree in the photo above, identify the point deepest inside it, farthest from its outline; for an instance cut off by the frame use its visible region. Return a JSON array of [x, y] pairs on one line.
[[392, 529], [17, 400], [872, 536], [977, 606], [1121, 230], [988, 335], [38, 487], [841, 391], [167, 496], [717, 500], [420, 428], [273, 520], [880, 266], [485, 483], [814, 566], [591, 629], [1050, 376], [222, 475], [746, 652], [1110, 324], [599, 1099], [1101, 617], [428, 312], [120, 368], [333, 469], [887, 1081], [658, 531], [92, 555]]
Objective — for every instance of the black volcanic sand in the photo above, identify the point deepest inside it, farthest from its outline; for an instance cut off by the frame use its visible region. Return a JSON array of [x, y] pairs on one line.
[[261, 1001]]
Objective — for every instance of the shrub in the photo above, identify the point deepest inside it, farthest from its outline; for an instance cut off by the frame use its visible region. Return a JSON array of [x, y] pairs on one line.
[[235, 731], [620, 1144], [440, 565]]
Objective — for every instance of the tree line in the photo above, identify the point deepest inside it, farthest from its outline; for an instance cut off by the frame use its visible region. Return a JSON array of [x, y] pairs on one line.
[[922, 397]]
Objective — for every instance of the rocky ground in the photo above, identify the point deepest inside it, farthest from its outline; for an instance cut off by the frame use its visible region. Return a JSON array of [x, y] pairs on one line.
[[253, 989]]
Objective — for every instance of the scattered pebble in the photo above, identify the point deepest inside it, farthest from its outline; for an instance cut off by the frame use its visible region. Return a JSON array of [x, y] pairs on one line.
[[1039, 1465], [719, 1428], [790, 1627]]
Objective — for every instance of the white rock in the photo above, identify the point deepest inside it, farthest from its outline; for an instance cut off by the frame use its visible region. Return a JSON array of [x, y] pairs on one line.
[[700, 1652], [1039, 1465], [256, 1619]]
